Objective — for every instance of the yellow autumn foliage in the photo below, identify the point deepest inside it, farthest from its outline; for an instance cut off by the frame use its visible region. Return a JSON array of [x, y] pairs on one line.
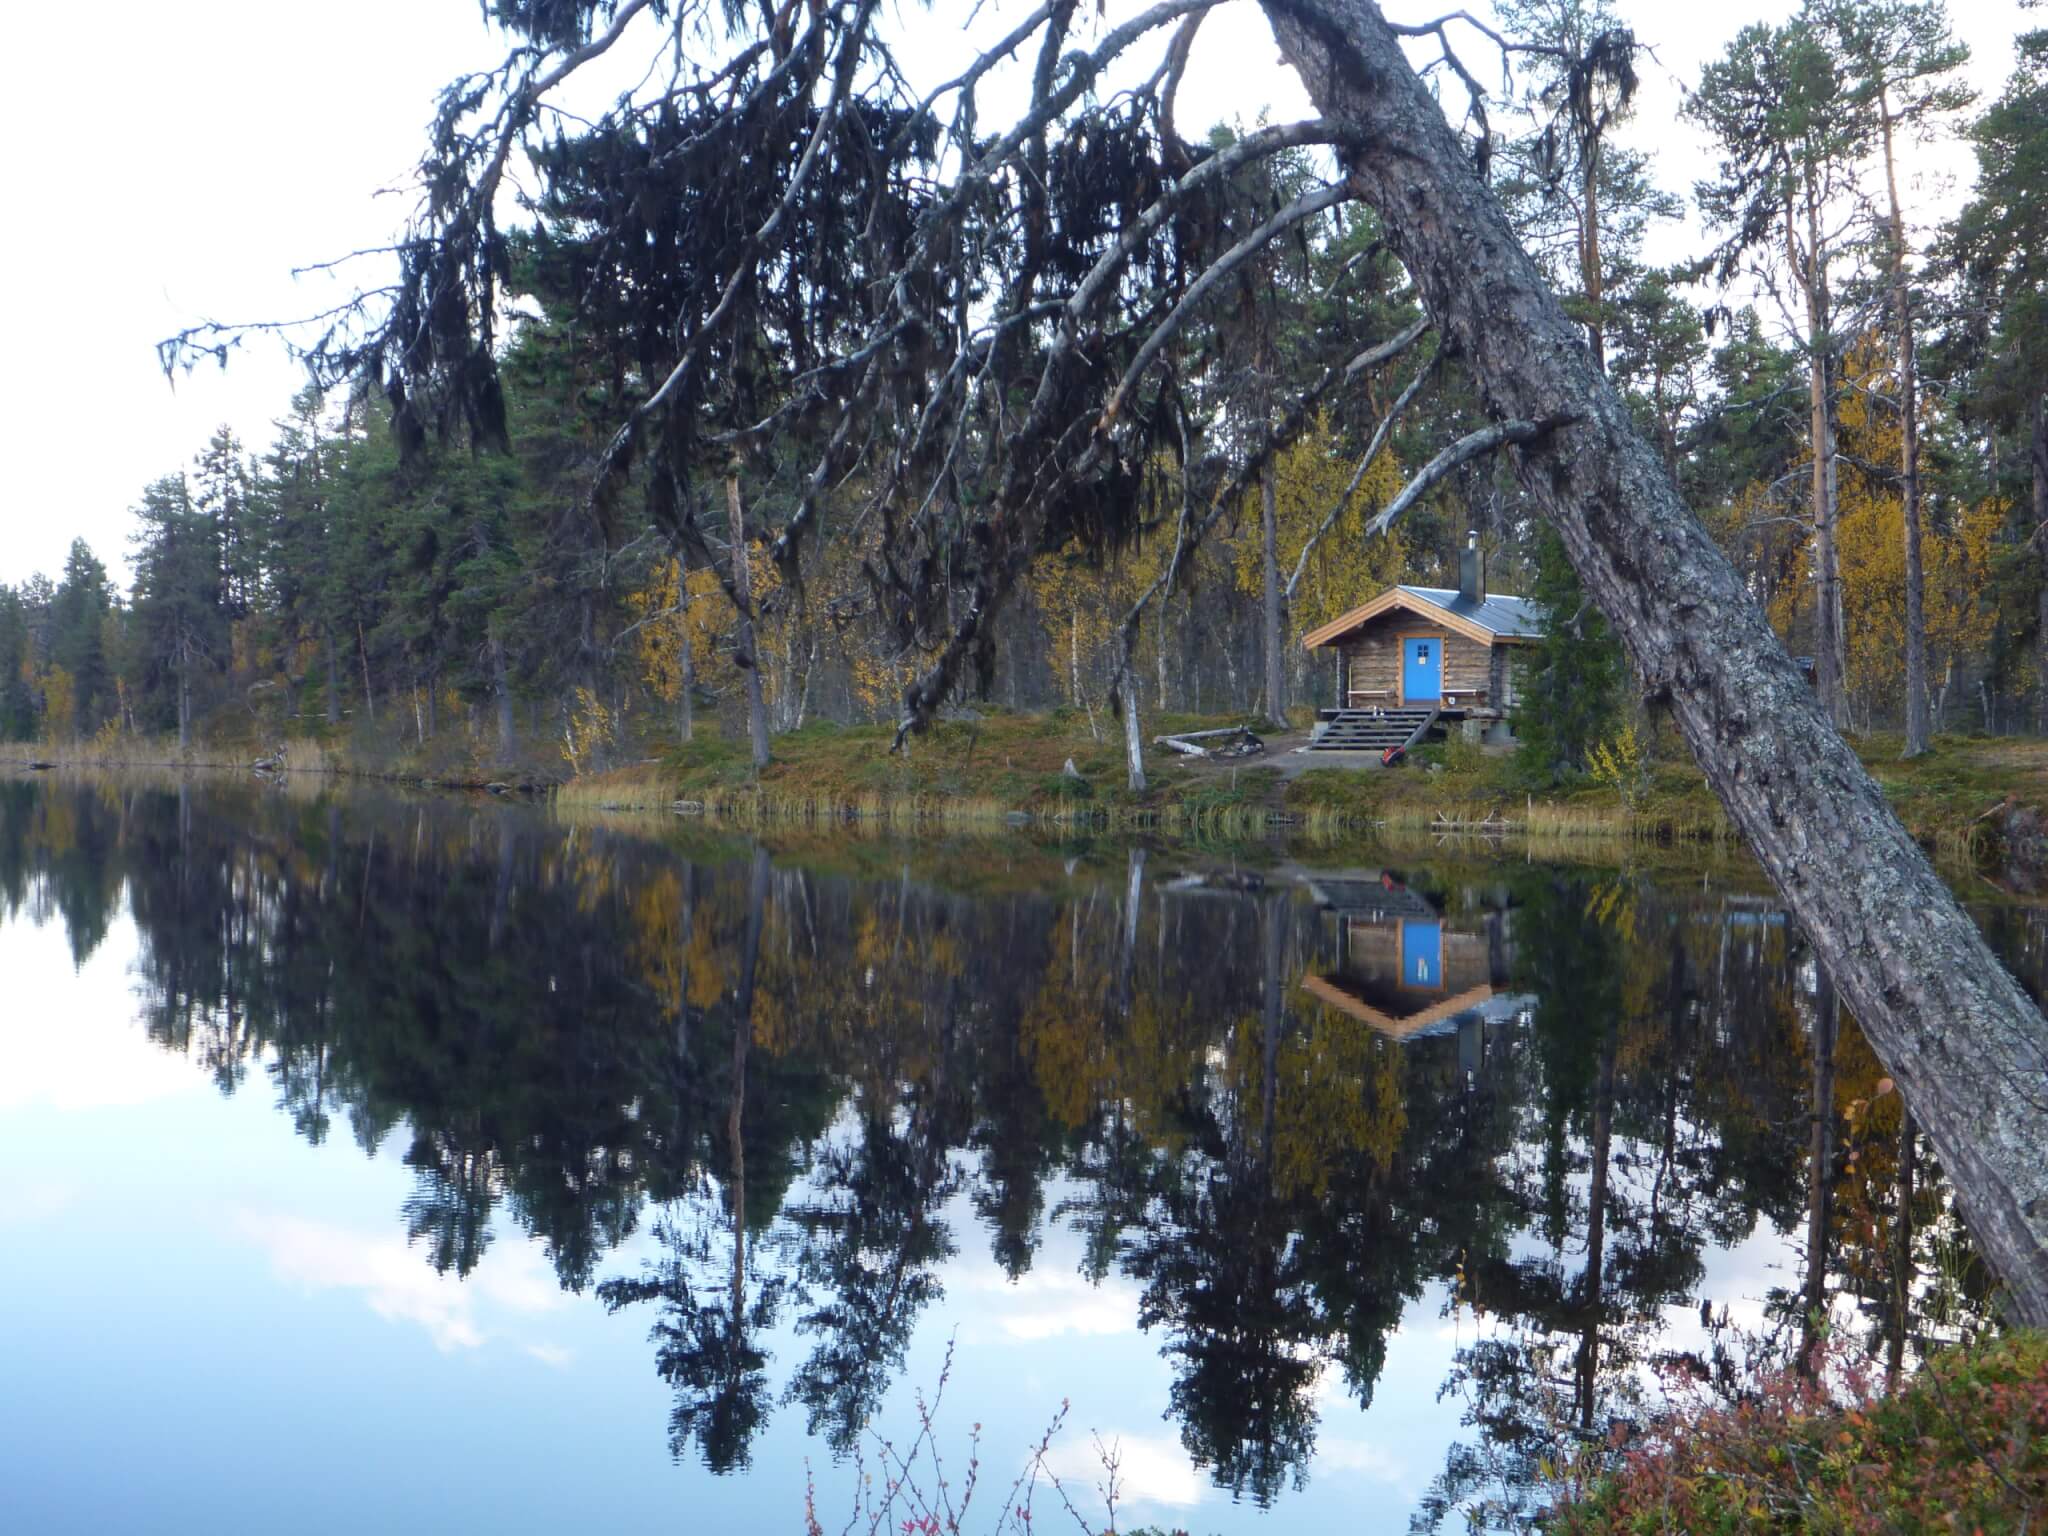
[[670, 608], [1622, 764], [60, 704], [1870, 542], [1870, 545], [1347, 567], [1082, 605]]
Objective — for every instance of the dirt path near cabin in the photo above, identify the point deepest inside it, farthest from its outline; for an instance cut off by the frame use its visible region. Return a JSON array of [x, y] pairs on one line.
[[1280, 755]]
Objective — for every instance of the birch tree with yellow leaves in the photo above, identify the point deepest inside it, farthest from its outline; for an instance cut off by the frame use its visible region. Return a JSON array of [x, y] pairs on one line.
[[1954, 552], [1320, 520]]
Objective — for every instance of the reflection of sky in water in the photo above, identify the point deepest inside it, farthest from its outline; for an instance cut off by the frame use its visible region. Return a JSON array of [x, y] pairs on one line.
[[209, 1323], [212, 1325]]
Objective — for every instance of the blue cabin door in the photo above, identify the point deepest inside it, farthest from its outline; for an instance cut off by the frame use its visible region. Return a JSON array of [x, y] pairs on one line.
[[1422, 670], [1422, 955]]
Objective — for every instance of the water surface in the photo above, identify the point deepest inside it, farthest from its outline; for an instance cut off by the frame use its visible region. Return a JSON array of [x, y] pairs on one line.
[[429, 1165]]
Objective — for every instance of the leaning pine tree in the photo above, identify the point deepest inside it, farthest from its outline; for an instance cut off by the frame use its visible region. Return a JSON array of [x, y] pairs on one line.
[[975, 333]]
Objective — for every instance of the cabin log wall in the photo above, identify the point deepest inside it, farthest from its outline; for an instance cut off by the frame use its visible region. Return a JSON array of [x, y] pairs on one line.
[[1372, 660]]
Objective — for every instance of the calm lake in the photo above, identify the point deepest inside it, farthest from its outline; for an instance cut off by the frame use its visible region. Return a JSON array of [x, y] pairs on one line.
[[432, 1165]]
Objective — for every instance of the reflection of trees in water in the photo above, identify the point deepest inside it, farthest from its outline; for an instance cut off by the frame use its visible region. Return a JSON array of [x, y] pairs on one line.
[[796, 1075], [60, 856], [1694, 1078]]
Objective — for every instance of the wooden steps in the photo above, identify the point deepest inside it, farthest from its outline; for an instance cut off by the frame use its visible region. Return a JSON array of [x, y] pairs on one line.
[[1365, 730]]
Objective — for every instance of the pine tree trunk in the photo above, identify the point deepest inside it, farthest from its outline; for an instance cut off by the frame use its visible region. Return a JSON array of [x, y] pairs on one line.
[[1967, 1047], [1827, 608], [1269, 543], [501, 685], [686, 659], [185, 706], [333, 678], [1589, 260], [2037, 457], [747, 656], [1909, 469], [369, 699]]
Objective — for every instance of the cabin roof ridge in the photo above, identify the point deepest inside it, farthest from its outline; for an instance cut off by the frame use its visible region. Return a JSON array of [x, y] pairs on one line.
[[1494, 617]]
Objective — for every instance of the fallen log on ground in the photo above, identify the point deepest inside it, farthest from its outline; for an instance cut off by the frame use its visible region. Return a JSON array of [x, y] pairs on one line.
[[1243, 744]]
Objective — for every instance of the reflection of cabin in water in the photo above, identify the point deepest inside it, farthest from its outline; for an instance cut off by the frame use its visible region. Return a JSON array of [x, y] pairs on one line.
[[1396, 960], [1414, 657]]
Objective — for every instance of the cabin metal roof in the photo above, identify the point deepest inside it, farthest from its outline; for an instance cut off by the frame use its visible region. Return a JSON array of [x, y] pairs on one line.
[[1515, 617], [1497, 618]]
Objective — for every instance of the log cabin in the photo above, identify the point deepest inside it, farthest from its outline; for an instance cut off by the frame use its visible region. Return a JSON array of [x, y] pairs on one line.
[[1416, 657]]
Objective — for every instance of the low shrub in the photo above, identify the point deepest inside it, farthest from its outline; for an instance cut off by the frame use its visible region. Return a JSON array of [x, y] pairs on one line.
[[1962, 1446]]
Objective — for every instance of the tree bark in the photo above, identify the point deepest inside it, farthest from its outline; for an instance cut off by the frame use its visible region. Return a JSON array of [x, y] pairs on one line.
[[1909, 454], [747, 655], [686, 659], [1967, 1047], [185, 705], [1828, 649], [501, 685], [1589, 259], [333, 677], [1269, 542], [1159, 645], [1134, 740], [2037, 456], [369, 698]]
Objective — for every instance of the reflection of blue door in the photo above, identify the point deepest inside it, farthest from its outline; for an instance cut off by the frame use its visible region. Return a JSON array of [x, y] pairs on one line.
[[1422, 955], [1422, 670]]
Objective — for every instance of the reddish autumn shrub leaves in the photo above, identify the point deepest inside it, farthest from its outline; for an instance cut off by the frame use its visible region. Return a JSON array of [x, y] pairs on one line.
[[1963, 1446]]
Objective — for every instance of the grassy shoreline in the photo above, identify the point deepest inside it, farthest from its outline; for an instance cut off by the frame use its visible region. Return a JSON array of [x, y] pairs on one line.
[[1970, 800]]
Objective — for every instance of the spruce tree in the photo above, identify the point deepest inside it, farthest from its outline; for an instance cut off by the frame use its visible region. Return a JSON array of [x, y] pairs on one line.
[[1572, 687]]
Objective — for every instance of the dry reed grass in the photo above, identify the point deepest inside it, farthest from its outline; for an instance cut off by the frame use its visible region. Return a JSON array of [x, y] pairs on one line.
[[123, 751]]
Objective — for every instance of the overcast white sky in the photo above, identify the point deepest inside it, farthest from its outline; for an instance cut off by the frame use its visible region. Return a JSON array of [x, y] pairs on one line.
[[173, 162]]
